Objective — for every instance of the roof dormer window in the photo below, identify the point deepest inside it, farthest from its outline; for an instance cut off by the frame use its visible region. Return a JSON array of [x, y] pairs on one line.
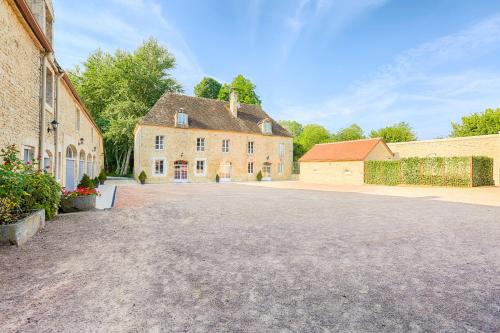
[[267, 127], [181, 118]]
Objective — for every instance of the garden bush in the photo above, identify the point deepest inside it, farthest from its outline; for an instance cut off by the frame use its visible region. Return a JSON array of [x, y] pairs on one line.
[[86, 182], [142, 177], [482, 171], [382, 172], [23, 189], [259, 176], [102, 176]]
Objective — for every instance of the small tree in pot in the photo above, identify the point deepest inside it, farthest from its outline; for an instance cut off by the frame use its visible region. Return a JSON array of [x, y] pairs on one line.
[[217, 178], [102, 177], [142, 177], [259, 176]]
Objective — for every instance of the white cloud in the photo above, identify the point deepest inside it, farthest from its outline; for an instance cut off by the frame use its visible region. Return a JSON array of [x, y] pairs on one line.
[[421, 86]]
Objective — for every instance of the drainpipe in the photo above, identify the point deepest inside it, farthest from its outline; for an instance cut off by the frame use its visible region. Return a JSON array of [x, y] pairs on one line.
[[57, 172], [41, 136]]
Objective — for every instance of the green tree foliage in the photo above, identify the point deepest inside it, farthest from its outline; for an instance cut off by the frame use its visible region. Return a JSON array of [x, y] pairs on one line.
[[292, 126], [487, 122], [311, 135], [353, 132], [245, 89], [119, 89], [400, 132], [208, 88]]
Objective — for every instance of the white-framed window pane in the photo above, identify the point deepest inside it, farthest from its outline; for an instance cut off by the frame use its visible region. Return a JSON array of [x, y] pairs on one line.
[[200, 167], [250, 168], [28, 155], [250, 147], [159, 142], [280, 168], [267, 127], [159, 167], [225, 146], [281, 149], [200, 144], [182, 118]]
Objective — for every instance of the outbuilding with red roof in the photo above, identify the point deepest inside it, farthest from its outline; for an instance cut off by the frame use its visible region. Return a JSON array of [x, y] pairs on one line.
[[341, 162]]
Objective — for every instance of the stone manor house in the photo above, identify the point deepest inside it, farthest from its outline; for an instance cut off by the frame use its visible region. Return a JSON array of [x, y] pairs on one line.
[[191, 139], [40, 111]]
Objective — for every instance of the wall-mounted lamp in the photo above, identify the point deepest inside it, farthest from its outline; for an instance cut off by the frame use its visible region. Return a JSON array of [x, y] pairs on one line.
[[94, 149], [52, 126], [267, 158], [182, 154], [80, 142]]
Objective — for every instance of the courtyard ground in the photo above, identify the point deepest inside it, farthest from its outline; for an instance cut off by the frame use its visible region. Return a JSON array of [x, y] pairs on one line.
[[233, 257]]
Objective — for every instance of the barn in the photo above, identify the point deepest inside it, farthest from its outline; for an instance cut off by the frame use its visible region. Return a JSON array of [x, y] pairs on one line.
[[341, 162]]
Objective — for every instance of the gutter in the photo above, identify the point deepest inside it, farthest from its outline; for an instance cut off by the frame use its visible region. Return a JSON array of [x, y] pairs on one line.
[[41, 148]]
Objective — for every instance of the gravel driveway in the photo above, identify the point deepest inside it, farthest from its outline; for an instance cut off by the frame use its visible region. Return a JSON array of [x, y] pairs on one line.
[[231, 257]]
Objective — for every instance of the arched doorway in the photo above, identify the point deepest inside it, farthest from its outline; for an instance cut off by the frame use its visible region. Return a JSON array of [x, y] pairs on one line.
[[180, 171], [89, 166], [266, 171], [81, 165], [70, 167], [225, 171]]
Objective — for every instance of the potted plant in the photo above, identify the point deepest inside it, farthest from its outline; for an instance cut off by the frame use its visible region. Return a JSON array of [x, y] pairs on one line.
[[96, 182], [102, 177], [217, 178], [81, 199], [86, 182], [142, 177], [259, 176]]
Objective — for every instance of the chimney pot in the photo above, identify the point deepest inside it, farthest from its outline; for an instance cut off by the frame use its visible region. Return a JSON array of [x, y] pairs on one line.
[[234, 104]]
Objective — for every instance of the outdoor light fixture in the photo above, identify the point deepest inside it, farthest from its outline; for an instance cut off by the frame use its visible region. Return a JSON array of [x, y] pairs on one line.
[[52, 126], [182, 154], [95, 149], [80, 142]]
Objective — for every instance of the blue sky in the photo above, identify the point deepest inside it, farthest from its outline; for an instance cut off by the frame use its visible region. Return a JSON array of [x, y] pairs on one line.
[[331, 62]]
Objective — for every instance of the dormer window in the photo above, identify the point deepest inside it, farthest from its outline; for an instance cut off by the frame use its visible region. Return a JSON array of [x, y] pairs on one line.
[[181, 119], [267, 127]]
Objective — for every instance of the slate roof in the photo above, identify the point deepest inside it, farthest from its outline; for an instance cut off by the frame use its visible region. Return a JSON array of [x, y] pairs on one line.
[[204, 113], [356, 150]]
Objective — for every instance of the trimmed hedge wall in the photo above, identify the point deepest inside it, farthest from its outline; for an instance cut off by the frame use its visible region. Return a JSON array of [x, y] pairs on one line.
[[438, 171]]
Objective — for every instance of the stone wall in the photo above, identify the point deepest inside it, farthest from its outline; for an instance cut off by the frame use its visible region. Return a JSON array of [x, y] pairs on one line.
[[19, 81], [180, 144], [485, 145]]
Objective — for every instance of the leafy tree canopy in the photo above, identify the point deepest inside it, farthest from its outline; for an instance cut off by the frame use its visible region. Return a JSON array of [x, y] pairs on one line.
[[245, 89], [311, 135], [353, 132], [400, 132], [292, 126], [487, 122], [208, 88], [119, 89]]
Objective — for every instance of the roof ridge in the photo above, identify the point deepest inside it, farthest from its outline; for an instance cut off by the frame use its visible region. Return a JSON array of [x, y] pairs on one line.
[[211, 99], [346, 141]]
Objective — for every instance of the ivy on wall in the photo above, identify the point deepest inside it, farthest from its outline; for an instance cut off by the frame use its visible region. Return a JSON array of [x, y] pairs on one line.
[[463, 171]]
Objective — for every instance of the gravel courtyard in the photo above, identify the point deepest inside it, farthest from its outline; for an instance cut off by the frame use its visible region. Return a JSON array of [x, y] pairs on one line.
[[230, 257]]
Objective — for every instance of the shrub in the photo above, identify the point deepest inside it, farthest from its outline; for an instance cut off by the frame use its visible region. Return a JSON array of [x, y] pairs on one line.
[[22, 189], [217, 178], [259, 176], [96, 182], [142, 177], [86, 182], [482, 171], [102, 176]]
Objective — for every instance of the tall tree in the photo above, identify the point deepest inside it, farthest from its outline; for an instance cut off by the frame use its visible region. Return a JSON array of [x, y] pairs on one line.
[[311, 135], [120, 89], [292, 126], [353, 132], [245, 89], [208, 88], [487, 122], [400, 132]]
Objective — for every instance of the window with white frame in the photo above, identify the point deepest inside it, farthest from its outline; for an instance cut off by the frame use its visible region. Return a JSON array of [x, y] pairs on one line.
[[159, 167], [281, 168], [200, 144], [250, 145], [181, 118], [268, 127], [77, 123], [200, 168], [28, 155], [281, 149], [225, 146], [250, 168], [159, 142]]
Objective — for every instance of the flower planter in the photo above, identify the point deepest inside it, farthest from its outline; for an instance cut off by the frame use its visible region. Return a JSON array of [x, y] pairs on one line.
[[78, 204], [18, 233]]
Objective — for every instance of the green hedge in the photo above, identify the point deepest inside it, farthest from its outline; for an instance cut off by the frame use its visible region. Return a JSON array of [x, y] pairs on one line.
[[437, 171]]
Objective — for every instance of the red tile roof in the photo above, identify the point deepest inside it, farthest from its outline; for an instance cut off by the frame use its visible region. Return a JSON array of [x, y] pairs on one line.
[[356, 150]]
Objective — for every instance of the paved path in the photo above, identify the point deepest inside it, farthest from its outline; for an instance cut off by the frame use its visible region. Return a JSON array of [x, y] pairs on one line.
[[233, 258]]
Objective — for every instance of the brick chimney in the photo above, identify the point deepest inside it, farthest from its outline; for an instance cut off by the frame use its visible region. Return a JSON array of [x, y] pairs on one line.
[[234, 105]]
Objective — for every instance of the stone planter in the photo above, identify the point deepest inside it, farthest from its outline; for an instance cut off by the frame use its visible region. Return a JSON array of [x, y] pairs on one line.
[[78, 204], [18, 233]]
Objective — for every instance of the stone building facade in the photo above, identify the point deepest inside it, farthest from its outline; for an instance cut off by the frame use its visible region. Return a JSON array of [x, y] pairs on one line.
[[484, 145], [40, 112], [190, 139]]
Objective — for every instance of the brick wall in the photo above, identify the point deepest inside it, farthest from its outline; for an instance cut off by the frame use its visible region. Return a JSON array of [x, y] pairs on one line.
[[486, 145]]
